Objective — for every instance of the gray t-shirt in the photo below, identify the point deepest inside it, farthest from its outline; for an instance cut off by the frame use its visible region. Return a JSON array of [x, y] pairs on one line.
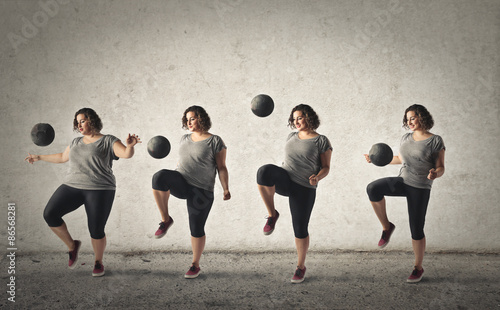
[[197, 160], [302, 157], [418, 158], [90, 164]]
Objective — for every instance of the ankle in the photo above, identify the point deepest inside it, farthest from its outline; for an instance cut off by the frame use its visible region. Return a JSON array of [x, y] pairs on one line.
[[73, 246]]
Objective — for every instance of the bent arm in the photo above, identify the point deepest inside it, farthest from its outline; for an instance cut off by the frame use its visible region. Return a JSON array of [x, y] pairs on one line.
[[437, 172], [220, 160], [325, 164], [325, 168], [122, 151], [396, 160]]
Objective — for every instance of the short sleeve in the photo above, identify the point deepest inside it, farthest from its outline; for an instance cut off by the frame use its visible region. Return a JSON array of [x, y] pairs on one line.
[[324, 144], [405, 137], [438, 144], [110, 141], [217, 144], [74, 142], [291, 135]]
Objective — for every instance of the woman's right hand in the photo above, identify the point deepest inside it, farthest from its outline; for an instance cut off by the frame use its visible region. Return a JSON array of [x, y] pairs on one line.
[[367, 157], [32, 158]]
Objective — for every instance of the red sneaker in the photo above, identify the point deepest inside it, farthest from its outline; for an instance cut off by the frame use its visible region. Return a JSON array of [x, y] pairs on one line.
[[73, 255], [98, 269], [299, 276], [164, 226], [271, 221], [193, 272], [386, 236], [416, 275]]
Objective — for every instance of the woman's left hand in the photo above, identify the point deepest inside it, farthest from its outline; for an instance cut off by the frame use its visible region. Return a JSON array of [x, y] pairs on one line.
[[227, 195], [313, 179], [133, 140], [432, 174]]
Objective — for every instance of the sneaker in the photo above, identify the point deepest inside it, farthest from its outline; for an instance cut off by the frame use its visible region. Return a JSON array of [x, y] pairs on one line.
[[73, 255], [193, 272], [386, 236], [416, 275], [299, 275], [98, 269], [164, 226], [271, 221]]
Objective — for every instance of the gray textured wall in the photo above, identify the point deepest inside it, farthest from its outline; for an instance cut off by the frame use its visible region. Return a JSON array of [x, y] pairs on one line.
[[139, 64]]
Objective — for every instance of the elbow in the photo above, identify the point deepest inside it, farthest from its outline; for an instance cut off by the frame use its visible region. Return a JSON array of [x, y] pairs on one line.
[[127, 155]]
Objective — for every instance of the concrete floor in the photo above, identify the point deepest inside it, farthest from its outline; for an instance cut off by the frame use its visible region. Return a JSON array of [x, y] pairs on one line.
[[334, 280]]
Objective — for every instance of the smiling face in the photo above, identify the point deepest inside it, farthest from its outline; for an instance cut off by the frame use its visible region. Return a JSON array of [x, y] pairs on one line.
[[83, 124], [412, 121], [299, 121], [192, 122]]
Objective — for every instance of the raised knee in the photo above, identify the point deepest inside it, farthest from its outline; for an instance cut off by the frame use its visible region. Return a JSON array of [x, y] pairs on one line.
[[52, 218], [263, 175]]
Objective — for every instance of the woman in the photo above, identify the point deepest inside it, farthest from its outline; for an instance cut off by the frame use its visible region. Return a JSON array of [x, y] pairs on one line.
[[422, 156], [90, 181], [202, 155], [307, 161]]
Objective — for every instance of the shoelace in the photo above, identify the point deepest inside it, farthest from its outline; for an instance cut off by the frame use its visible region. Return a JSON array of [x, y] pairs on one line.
[[97, 265], [414, 272], [162, 225], [193, 268]]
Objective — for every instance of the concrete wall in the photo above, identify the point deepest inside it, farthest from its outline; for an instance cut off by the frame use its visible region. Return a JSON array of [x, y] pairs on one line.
[[139, 64]]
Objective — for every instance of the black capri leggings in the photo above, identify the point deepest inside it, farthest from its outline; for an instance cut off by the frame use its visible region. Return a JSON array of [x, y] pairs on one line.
[[300, 198], [199, 201], [66, 199], [417, 200]]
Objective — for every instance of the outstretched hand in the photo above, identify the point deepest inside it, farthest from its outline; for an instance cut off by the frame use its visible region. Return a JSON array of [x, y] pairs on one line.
[[133, 140], [32, 158]]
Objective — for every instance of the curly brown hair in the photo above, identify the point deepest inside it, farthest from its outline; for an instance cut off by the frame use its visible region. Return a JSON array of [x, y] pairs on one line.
[[312, 119], [201, 115], [424, 117], [93, 119]]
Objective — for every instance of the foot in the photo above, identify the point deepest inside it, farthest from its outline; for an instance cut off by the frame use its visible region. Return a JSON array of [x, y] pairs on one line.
[[299, 276], [193, 272], [73, 255], [386, 236], [164, 226], [271, 222], [416, 275], [98, 269]]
